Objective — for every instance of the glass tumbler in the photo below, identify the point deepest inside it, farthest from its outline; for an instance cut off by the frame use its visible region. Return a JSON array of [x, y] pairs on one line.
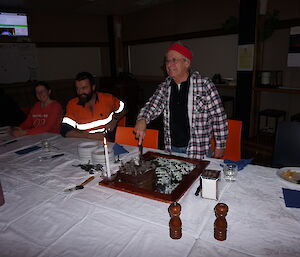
[[230, 171], [45, 145]]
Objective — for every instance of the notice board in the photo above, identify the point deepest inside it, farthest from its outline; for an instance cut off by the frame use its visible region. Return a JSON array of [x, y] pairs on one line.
[[18, 62]]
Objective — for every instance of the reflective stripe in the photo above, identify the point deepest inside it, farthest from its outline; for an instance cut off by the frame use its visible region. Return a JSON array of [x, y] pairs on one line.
[[121, 107], [97, 130], [95, 124], [69, 121]]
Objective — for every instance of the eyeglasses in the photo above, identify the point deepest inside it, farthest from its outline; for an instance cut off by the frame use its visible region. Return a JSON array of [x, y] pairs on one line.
[[173, 60]]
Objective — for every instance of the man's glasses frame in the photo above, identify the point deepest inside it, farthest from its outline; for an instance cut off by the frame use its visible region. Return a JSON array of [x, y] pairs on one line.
[[174, 60]]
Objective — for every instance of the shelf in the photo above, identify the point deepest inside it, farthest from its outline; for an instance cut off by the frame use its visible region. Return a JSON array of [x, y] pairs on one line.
[[224, 86]]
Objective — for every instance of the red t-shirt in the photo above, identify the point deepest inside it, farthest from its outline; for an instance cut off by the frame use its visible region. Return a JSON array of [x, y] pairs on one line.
[[43, 119]]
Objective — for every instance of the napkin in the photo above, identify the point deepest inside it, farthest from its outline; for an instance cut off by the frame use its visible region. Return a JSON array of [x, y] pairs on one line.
[[28, 149], [291, 198], [241, 163], [118, 149]]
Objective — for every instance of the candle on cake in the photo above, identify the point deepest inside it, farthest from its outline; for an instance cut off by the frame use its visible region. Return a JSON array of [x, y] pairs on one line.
[[106, 158]]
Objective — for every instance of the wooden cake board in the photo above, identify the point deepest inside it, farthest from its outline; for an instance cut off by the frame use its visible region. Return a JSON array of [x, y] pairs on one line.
[[176, 194]]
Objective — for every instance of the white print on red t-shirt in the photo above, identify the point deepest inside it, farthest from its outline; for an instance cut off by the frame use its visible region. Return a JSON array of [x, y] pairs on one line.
[[39, 120]]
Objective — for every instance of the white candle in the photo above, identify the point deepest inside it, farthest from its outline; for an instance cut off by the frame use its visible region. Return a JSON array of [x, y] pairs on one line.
[[106, 158]]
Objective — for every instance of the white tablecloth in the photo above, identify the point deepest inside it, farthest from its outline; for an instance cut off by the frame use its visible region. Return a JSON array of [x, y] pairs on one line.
[[40, 219]]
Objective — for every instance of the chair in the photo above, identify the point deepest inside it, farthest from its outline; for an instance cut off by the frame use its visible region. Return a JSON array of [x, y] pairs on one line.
[[126, 136], [295, 117], [233, 144], [287, 145], [271, 113]]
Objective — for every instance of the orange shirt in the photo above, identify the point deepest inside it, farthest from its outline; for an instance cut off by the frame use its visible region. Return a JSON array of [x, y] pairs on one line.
[[83, 118]]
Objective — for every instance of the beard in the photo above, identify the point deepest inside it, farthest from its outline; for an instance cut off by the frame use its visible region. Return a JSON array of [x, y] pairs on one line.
[[84, 98]]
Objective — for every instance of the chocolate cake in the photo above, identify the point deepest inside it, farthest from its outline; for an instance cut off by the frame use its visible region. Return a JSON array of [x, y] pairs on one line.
[[159, 174], [141, 175]]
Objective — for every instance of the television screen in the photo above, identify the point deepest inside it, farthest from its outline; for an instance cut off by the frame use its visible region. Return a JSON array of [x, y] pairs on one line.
[[13, 24]]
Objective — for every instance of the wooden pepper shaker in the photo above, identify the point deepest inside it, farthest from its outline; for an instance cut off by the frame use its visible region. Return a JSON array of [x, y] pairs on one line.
[[175, 221], [220, 225]]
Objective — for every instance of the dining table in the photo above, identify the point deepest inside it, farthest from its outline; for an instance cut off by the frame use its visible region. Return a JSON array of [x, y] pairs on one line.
[[39, 219]]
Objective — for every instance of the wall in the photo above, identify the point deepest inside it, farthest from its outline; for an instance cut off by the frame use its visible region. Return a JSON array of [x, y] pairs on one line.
[[68, 28], [18, 62], [25, 62], [275, 58], [179, 17], [289, 9], [193, 15], [210, 55], [73, 43], [66, 62]]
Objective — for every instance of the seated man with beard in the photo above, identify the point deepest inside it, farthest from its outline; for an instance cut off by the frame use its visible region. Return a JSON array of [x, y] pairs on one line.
[[91, 113]]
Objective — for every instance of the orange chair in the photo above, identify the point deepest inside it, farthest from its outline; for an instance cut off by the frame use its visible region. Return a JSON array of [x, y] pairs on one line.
[[122, 122], [233, 144], [126, 136]]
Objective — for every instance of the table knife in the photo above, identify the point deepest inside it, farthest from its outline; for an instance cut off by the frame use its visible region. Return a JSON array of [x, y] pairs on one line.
[[10, 142], [52, 156], [57, 155], [81, 186]]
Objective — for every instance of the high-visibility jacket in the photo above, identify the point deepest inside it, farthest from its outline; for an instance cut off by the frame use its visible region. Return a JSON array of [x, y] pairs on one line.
[[83, 118]]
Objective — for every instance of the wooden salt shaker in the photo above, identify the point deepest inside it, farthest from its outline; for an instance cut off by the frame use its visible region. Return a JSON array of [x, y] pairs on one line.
[[220, 225], [175, 221]]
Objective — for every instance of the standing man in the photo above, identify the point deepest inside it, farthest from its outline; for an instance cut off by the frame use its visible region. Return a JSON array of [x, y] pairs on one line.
[[192, 109], [91, 113]]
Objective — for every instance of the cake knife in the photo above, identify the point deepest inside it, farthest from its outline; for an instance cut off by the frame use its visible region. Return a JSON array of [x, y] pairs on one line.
[[81, 186], [140, 152]]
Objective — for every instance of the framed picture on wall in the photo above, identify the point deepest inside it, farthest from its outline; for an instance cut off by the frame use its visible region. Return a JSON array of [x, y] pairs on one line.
[[245, 57]]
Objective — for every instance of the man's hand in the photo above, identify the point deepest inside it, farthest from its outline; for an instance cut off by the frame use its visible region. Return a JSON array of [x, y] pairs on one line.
[[219, 153], [17, 132], [140, 130]]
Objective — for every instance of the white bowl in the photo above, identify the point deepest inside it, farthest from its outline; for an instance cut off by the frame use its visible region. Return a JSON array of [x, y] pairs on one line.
[[85, 151]]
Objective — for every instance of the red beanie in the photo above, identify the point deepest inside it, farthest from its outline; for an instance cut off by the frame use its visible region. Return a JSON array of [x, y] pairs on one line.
[[182, 50]]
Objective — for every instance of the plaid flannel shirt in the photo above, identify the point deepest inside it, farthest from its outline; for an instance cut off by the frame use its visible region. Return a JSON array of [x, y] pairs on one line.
[[206, 115]]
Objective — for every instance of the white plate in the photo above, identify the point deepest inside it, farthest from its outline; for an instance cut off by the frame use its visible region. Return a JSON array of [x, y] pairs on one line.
[[290, 174], [87, 147]]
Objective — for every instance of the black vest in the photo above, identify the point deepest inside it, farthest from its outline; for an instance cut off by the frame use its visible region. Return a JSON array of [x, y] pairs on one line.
[[179, 120]]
